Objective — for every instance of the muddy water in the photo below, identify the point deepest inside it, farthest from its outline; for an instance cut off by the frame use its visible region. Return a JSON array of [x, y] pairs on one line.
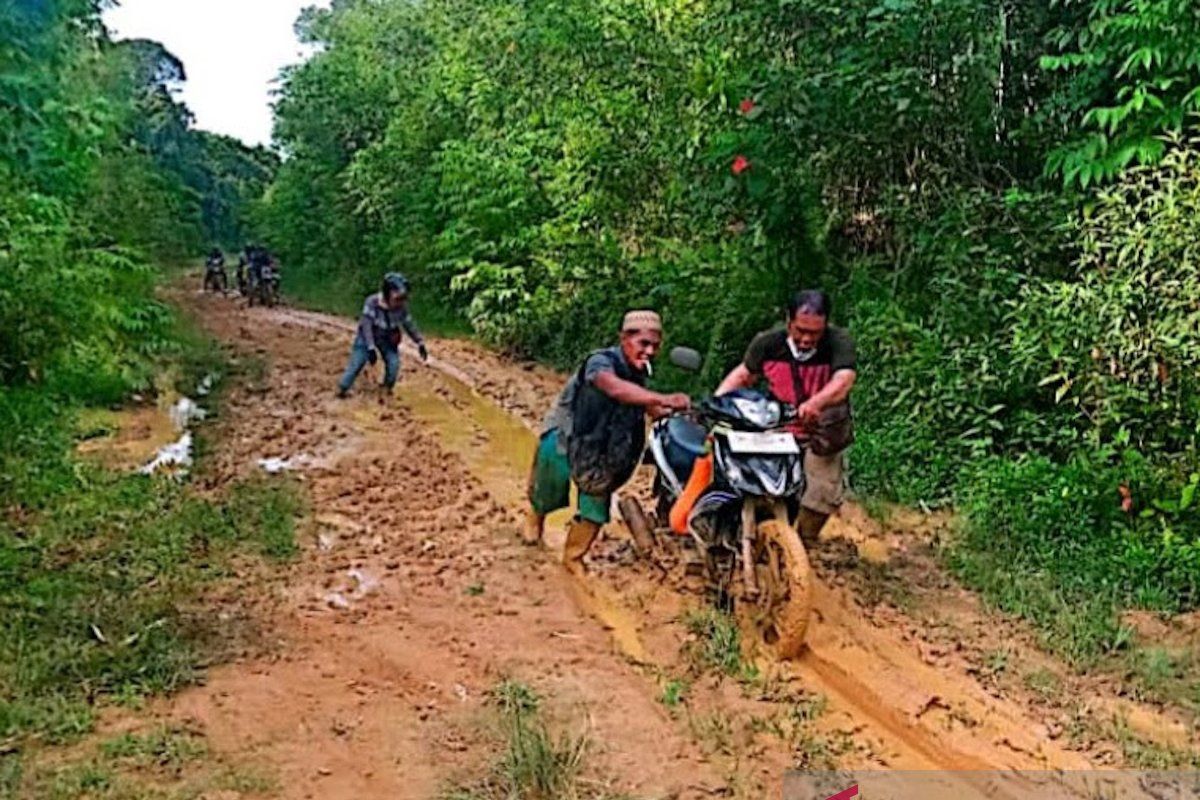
[[134, 436], [496, 446]]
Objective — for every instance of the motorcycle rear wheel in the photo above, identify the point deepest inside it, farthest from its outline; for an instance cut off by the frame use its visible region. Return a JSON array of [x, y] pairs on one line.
[[780, 613]]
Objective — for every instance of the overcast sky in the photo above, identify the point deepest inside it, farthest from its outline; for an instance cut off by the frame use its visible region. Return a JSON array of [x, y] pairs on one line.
[[232, 50]]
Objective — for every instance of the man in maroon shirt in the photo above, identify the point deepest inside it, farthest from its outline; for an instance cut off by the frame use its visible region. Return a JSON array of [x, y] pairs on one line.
[[810, 364]]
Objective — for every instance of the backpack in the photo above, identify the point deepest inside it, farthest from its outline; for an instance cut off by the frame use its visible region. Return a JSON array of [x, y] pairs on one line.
[[607, 438]]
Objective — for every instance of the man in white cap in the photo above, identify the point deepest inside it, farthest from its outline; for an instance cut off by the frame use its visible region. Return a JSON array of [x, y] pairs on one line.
[[595, 435]]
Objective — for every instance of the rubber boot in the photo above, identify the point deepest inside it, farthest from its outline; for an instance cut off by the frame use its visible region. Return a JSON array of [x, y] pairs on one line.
[[809, 523], [535, 526], [581, 533]]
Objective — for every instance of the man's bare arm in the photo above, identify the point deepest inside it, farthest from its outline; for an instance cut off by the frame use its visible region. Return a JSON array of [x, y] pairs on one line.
[[630, 393], [740, 377]]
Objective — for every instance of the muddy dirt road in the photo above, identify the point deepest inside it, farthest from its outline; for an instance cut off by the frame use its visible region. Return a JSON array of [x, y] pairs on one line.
[[413, 597]]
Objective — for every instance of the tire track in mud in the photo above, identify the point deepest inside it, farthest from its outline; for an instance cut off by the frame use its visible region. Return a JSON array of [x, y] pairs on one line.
[[912, 715]]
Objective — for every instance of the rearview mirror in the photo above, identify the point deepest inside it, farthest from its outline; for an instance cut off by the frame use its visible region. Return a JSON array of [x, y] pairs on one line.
[[686, 359]]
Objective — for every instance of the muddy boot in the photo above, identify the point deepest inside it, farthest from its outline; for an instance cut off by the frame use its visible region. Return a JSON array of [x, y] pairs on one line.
[[809, 523], [535, 526], [580, 535]]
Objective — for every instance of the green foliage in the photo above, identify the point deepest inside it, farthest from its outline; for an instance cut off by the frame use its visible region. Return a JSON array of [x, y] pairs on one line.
[[99, 171], [1116, 349], [1133, 76], [521, 157]]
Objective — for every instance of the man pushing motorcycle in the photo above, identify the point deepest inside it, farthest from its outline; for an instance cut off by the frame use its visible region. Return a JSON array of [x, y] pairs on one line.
[[810, 364], [595, 435]]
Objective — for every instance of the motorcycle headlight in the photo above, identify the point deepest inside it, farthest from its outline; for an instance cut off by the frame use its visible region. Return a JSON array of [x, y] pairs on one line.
[[761, 413]]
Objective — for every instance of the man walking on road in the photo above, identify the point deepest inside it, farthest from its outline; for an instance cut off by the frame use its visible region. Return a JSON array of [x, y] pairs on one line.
[[595, 435], [384, 316], [811, 364]]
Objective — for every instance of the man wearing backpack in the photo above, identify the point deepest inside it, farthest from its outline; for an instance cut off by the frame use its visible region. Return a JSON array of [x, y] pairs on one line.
[[595, 434]]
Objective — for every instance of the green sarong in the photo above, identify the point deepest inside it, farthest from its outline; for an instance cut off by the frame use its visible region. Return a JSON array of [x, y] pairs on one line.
[[550, 488]]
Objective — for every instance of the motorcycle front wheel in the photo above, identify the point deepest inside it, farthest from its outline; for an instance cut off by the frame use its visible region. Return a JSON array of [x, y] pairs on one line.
[[782, 609]]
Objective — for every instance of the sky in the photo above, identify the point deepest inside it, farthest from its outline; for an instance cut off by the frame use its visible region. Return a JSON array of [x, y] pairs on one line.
[[232, 51]]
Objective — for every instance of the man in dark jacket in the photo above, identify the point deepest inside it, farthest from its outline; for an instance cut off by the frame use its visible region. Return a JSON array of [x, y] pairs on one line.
[[384, 316], [593, 434]]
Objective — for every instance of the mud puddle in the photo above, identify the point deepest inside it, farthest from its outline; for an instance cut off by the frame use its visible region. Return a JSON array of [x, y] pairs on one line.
[[148, 438], [127, 439]]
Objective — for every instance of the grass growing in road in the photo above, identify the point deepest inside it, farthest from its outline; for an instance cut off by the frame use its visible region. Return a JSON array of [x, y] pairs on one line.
[[534, 763], [716, 643]]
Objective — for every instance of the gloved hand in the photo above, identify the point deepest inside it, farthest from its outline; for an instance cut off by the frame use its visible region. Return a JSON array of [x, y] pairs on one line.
[[372, 357], [424, 351]]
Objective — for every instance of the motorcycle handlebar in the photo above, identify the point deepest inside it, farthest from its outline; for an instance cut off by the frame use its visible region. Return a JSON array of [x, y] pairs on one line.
[[701, 416]]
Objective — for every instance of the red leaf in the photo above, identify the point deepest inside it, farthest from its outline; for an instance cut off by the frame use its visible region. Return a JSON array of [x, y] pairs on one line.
[[746, 106], [740, 165]]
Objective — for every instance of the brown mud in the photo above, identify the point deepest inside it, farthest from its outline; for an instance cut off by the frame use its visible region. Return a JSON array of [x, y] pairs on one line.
[[413, 596]]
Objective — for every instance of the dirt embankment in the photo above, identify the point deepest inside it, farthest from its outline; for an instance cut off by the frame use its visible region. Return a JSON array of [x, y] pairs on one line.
[[413, 597]]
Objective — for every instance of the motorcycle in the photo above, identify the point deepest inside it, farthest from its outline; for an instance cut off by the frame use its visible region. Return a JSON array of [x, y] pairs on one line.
[[266, 287], [753, 558], [215, 279]]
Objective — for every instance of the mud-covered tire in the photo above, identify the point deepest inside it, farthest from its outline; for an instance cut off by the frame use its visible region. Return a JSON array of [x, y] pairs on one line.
[[640, 526], [782, 620]]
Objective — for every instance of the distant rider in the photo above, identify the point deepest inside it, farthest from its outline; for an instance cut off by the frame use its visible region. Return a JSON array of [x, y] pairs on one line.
[[811, 364], [257, 258], [384, 316], [243, 263], [595, 435], [214, 268]]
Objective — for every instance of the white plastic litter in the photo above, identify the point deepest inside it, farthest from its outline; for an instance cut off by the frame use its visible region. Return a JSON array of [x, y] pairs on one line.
[[366, 583], [206, 384], [177, 455], [337, 600], [185, 412], [275, 464]]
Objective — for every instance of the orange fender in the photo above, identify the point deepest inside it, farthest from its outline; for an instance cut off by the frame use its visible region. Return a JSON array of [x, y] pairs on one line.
[[699, 480]]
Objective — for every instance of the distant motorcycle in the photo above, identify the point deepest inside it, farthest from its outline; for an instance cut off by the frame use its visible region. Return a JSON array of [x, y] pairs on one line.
[[266, 288], [215, 279]]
